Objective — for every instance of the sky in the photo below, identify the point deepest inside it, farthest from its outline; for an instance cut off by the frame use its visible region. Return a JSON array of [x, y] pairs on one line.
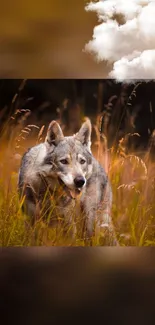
[[129, 46]]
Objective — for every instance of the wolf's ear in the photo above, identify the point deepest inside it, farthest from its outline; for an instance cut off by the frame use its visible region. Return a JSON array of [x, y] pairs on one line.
[[54, 134], [84, 134]]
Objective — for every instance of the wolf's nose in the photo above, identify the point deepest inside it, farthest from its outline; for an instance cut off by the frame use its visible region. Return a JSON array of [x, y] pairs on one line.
[[79, 181]]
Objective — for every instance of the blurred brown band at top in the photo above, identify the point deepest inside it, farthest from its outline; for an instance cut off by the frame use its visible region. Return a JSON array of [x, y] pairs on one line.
[[46, 40]]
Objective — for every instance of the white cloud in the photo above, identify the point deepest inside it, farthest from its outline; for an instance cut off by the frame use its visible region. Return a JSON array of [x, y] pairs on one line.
[[131, 46]]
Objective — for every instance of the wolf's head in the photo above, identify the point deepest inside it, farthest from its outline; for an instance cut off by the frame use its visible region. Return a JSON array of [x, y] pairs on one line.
[[69, 158]]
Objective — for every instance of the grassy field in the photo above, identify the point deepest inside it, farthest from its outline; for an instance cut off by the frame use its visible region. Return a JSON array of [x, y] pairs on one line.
[[132, 179]]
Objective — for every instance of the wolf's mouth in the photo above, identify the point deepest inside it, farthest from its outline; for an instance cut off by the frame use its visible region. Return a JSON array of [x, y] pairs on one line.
[[72, 193]]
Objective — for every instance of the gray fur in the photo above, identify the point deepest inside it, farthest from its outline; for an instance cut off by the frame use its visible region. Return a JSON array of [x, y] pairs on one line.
[[55, 164]]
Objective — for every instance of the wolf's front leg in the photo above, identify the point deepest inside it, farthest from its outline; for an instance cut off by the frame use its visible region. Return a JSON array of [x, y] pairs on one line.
[[106, 235], [33, 211], [69, 229], [104, 228], [100, 226], [31, 205], [89, 227]]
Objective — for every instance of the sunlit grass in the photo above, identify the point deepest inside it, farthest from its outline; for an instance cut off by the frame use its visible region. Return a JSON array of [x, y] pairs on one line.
[[133, 185]]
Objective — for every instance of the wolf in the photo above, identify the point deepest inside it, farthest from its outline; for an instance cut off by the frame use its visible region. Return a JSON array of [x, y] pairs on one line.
[[66, 165]]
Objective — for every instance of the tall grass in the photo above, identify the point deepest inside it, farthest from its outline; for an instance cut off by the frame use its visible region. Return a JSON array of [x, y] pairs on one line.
[[132, 179]]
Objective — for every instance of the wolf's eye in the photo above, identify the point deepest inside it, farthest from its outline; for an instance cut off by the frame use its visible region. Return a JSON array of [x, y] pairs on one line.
[[82, 161], [64, 161]]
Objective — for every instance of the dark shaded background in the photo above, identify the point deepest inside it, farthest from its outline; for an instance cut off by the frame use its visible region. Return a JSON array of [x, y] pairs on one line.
[[89, 96]]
